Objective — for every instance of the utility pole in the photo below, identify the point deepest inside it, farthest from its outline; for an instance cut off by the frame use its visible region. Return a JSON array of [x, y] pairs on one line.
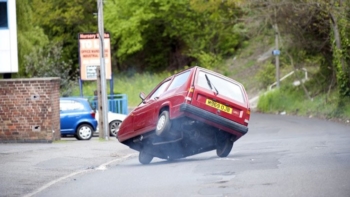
[[99, 101], [103, 69], [277, 60], [276, 52]]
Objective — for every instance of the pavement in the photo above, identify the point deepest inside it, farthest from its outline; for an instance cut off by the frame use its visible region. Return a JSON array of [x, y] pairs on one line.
[[28, 168]]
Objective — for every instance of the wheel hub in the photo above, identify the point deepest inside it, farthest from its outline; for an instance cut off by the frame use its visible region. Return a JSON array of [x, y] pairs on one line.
[[161, 122], [85, 132]]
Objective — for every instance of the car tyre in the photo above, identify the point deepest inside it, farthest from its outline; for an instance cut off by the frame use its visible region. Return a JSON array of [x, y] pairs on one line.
[[76, 136], [163, 123], [224, 147], [84, 132], [145, 158], [114, 127]]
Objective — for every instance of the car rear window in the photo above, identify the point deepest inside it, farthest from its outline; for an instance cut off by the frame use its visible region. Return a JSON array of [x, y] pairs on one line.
[[223, 86]]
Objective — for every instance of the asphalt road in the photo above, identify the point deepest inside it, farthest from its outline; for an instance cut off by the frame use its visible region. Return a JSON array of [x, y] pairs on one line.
[[280, 156], [28, 168]]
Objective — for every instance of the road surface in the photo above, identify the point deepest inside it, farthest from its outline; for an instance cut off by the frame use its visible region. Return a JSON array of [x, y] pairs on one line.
[[279, 156]]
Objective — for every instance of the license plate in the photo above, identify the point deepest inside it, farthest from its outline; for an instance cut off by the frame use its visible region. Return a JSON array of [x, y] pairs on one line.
[[218, 106]]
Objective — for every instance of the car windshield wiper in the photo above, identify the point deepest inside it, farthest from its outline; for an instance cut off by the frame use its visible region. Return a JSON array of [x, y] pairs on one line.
[[212, 87]]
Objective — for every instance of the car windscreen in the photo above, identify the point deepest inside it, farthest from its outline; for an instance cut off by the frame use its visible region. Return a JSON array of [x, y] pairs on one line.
[[220, 86]]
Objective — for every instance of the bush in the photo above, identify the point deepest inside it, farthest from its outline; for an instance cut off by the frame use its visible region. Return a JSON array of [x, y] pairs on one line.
[[291, 99], [48, 62], [266, 75]]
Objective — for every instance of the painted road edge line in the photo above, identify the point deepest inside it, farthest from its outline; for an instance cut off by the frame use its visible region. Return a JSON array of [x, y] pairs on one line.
[[101, 167]]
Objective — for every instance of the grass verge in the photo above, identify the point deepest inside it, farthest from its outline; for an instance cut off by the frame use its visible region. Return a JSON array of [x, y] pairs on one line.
[[292, 100]]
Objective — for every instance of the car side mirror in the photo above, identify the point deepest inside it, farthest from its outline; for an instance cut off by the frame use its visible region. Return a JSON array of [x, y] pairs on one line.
[[142, 96]]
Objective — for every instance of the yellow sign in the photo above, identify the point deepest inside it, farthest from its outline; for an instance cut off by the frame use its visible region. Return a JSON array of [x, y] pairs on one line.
[[89, 55], [218, 106]]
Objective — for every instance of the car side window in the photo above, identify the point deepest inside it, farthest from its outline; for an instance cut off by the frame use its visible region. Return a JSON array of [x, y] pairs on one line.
[[160, 90], [63, 106], [179, 80]]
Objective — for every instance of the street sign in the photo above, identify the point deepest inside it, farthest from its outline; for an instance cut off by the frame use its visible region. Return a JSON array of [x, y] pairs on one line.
[[276, 52]]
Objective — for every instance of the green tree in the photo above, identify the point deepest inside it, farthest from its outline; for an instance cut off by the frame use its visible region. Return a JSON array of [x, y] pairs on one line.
[[63, 20], [29, 35], [48, 62], [319, 30], [163, 34], [340, 25]]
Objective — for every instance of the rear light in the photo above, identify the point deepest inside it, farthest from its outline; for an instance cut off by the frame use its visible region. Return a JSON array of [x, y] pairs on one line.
[[92, 113], [247, 116], [189, 95]]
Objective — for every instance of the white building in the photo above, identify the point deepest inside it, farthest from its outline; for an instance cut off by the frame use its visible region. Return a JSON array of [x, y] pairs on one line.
[[8, 37]]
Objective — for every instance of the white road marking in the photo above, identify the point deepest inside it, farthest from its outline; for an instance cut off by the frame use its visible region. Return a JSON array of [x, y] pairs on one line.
[[101, 167]]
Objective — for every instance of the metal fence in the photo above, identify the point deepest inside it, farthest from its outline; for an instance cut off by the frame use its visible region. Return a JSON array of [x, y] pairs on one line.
[[117, 103]]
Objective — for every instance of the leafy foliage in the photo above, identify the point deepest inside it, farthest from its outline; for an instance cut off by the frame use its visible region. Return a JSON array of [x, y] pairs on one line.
[[341, 51], [63, 20], [48, 62], [164, 35], [290, 100], [170, 34], [29, 36], [318, 28], [266, 75]]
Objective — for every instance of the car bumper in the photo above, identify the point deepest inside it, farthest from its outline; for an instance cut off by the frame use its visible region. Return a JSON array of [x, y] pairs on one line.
[[213, 118]]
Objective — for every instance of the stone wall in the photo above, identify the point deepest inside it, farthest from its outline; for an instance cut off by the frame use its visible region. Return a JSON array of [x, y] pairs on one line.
[[29, 110]]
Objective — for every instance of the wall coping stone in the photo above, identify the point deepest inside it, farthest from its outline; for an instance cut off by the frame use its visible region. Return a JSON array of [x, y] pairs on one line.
[[31, 79]]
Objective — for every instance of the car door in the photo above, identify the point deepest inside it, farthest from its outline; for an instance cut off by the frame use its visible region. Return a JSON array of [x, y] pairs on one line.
[[64, 117], [147, 112], [70, 113]]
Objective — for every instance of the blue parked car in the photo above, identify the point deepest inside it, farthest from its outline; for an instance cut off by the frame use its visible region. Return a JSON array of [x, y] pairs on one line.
[[77, 118]]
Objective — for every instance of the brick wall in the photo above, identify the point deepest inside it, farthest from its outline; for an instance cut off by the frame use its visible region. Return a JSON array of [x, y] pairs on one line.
[[29, 110]]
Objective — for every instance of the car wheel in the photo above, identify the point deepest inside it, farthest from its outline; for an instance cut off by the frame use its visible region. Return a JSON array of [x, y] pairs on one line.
[[114, 127], [144, 157], [224, 147], [84, 132], [163, 123]]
